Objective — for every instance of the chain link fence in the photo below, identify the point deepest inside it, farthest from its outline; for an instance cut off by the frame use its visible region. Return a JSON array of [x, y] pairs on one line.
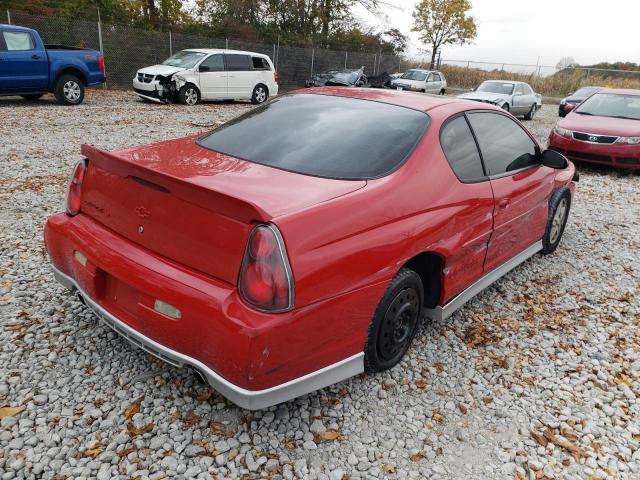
[[127, 49]]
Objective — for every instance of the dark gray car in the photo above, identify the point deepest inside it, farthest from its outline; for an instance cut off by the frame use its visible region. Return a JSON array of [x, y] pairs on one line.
[[515, 97]]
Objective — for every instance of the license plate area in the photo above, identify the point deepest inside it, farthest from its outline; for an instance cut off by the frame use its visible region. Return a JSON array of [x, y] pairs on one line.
[[120, 295]]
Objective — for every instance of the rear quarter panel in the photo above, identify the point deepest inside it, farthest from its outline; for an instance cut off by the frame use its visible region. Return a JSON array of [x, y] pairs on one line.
[[85, 61]]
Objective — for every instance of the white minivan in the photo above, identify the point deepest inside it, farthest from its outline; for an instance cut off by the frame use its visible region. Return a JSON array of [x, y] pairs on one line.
[[208, 74]]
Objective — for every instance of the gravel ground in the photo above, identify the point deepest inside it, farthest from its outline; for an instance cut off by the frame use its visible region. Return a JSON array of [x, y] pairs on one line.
[[537, 377]]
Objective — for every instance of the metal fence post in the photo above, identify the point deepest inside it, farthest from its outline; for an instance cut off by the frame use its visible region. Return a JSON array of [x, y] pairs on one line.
[[278, 52], [273, 58], [313, 52], [346, 55], [8, 17], [226, 44], [170, 44], [374, 62], [104, 85]]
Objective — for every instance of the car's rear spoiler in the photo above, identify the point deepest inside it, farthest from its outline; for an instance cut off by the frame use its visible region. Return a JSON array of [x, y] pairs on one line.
[[214, 200]]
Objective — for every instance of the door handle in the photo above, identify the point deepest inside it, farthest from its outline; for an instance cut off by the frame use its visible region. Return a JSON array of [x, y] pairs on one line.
[[504, 203], [35, 57]]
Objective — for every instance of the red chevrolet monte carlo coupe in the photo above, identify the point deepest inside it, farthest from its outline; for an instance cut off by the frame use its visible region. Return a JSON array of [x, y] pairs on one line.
[[302, 242], [604, 130]]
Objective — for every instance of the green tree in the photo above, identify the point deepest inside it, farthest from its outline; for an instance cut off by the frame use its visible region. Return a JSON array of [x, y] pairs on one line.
[[397, 39], [444, 22]]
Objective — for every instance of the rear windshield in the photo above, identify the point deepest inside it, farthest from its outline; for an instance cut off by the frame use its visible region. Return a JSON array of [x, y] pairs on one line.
[[323, 136]]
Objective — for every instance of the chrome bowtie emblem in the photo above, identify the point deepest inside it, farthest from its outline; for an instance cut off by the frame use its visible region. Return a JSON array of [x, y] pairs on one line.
[[593, 138]]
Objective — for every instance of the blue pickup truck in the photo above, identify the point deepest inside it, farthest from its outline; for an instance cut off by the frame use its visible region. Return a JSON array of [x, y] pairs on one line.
[[30, 69]]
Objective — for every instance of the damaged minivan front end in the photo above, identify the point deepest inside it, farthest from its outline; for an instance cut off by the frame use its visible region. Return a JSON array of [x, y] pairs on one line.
[[158, 84]]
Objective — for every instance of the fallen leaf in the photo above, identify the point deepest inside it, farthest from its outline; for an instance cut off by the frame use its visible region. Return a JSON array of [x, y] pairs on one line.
[[232, 455], [539, 439], [132, 409], [416, 457], [204, 396], [330, 435], [217, 427], [438, 418], [92, 452], [133, 430], [5, 297], [462, 408], [388, 468], [10, 411], [422, 383], [622, 380], [575, 451]]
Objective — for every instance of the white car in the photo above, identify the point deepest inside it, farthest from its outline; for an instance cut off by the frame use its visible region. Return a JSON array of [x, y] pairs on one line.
[[428, 81], [208, 74]]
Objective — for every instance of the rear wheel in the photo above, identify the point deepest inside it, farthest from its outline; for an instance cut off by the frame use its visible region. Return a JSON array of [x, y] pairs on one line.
[[532, 112], [260, 94], [395, 322], [505, 107], [189, 95], [559, 207], [69, 90], [443, 91], [32, 97]]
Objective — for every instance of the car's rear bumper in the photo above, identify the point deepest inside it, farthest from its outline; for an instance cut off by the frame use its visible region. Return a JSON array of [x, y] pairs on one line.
[[254, 359], [613, 155]]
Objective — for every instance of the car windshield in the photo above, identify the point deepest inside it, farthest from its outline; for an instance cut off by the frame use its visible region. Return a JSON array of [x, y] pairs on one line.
[[346, 77], [585, 92], [323, 135], [612, 105], [184, 59], [414, 75], [496, 87]]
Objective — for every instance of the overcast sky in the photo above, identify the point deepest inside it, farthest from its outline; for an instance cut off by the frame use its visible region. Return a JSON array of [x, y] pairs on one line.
[[518, 31]]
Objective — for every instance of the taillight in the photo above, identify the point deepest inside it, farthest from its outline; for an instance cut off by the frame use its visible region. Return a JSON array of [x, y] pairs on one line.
[[265, 281], [75, 188], [275, 76], [101, 63]]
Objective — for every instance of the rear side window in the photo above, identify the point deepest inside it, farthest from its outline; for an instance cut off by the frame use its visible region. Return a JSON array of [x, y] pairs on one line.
[[215, 63], [505, 146], [520, 90], [237, 63], [436, 77], [461, 150], [323, 136], [18, 40], [260, 63]]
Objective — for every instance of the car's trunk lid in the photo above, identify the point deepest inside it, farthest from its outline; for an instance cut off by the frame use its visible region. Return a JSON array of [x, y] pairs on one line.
[[193, 205]]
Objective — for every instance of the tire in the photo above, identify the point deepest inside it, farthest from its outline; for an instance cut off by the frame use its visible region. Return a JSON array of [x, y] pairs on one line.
[[559, 207], [69, 90], [260, 94], [443, 91], [395, 322], [505, 107], [32, 97], [189, 95], [532, 112]]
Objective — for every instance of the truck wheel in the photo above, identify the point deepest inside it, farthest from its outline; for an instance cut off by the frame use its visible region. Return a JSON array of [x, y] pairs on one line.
[[260, 94], [395, 322], [559, 206], [69, 90], [189, 95], [32, 97]]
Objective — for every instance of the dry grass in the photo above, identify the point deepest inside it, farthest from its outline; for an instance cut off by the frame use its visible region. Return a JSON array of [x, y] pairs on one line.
[[558, 85]]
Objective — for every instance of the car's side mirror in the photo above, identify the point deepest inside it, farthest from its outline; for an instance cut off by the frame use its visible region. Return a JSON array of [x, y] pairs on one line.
[[204, 68], [553, 159]]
